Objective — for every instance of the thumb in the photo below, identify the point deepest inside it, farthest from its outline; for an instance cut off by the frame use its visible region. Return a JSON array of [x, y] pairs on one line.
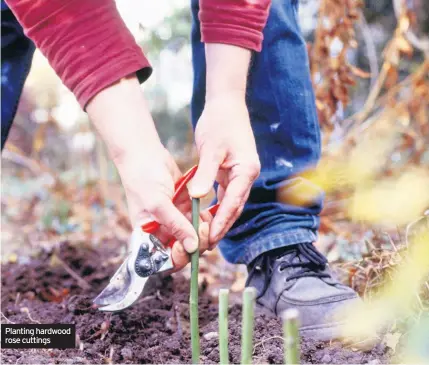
[[205, 176], [177, 225]]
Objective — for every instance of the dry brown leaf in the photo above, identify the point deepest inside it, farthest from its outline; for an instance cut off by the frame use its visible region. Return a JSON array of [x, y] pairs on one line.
[[359, 72]]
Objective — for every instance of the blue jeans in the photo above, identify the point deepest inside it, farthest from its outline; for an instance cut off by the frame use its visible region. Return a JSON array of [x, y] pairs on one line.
[[16, 56], [282, 110]]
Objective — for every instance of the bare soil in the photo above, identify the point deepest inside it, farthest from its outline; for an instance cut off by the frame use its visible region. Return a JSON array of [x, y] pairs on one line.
[[154, 330]]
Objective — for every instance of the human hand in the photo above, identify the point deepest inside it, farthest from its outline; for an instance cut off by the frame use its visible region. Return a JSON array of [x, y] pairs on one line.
[[224, 137], [150, 197], [148, 172], [227, 150]]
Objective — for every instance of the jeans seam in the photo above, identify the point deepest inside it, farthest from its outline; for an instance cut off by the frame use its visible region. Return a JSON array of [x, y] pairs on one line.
[[272, 89], [295, 12], [315, 119]]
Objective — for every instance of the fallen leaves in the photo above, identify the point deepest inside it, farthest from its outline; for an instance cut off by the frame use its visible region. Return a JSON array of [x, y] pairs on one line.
[[397, 297]]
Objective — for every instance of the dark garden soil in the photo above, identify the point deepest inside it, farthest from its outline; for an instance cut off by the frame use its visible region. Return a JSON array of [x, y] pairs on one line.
[[154, 330]]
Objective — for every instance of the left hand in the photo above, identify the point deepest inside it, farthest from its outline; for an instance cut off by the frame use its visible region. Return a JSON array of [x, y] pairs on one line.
[[228, 155]]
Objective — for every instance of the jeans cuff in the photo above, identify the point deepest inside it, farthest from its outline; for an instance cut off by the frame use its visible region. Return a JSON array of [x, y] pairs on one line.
[[276, 240]]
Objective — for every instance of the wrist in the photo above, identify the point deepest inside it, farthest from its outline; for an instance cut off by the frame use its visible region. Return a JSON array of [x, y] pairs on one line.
[[123, 120], [227, 69], [227, 95], [221, 92]]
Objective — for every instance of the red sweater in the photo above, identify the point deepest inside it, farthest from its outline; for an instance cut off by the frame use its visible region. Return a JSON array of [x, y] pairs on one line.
[[90, 48]]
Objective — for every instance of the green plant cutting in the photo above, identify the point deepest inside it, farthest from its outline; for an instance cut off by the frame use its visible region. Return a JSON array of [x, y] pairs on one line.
[[193, 297], [291, 336], [223, 326], [248, 315]]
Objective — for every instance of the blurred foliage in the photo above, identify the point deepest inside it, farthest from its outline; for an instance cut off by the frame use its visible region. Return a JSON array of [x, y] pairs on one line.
[[173, 33], [375, 168]]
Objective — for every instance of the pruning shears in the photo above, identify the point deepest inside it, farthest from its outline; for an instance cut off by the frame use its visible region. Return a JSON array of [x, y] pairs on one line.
[[147, 256]]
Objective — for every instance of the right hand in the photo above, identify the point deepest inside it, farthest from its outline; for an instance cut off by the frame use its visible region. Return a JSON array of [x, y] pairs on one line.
[[149, 188], [148, 171]]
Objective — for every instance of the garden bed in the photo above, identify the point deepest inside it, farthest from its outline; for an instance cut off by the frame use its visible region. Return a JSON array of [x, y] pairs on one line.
[[46, 289]]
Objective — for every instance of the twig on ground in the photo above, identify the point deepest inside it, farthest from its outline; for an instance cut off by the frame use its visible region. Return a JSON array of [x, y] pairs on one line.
[[149, 297], [7, 319], [178, 321], [158, 295], [261, 343], [391, 242], [104, 329], [18, 298], [81, 282], [26, 310], [112, 351]]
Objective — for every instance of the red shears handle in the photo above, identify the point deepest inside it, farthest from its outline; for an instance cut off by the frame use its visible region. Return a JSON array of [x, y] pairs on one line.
[[152, 227]]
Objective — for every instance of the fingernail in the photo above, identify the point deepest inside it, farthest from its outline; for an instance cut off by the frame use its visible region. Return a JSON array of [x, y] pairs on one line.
[[196, 191], [190, 245]]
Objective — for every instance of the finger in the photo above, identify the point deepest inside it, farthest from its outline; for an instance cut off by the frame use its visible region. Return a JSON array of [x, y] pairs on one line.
[[180, 256], [212, 245], [230, 207], [206, 216], [177, 225], [208, 167], [220, 193], [182, 197], [203, 232], [164, 235], [184, 206]]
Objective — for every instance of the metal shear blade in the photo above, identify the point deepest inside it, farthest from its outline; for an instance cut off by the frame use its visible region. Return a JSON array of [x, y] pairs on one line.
[[116, 290], [147, 257]]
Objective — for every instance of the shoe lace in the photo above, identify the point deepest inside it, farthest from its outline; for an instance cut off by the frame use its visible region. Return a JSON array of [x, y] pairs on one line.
[[311, 263]]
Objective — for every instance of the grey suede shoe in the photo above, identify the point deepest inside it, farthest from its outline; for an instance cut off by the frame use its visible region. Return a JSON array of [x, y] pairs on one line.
[[299, 277]]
